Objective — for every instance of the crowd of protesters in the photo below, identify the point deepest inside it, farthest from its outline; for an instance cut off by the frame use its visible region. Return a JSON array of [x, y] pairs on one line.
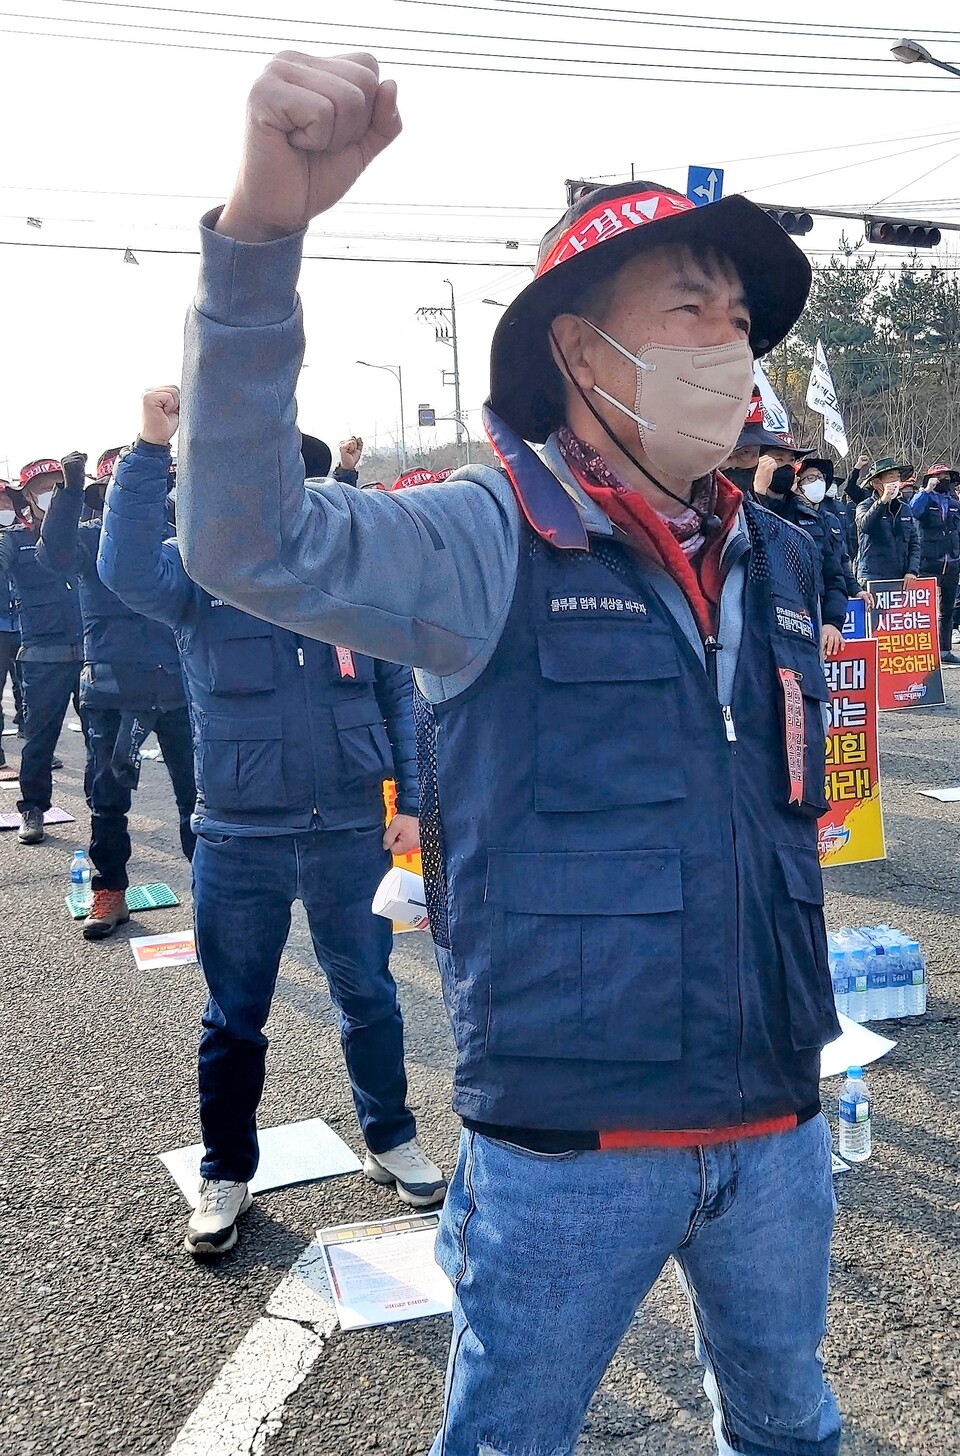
[[623, 630]]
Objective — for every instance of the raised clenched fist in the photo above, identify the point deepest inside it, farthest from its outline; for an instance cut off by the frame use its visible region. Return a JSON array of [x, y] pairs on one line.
[[161, 415], [350, 452], [312, 127]]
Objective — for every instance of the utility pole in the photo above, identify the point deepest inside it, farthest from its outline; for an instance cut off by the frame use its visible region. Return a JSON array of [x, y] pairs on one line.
[[445, 323]]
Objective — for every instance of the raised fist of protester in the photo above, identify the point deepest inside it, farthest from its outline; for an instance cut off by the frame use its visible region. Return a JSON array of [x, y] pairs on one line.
[[350, 452], [161, 415], [312, 127], [831, 640], [763, 474], [863, 460], [74, 468], [402, 834]]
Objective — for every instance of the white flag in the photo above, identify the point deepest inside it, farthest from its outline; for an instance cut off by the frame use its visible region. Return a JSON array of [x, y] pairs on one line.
[[775, 417], [822, 399]]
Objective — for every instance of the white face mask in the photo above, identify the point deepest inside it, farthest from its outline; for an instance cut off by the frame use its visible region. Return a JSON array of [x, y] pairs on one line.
[[690, 403], [43, 500], [832, 491], [7, 518], [814, 490]]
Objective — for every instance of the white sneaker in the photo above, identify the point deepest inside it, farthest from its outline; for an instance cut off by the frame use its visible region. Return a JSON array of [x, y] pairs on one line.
[[419, 1182], [213, 1226]]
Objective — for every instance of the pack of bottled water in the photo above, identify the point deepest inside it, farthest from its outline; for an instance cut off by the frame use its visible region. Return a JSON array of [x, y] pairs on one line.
[[879, 973]]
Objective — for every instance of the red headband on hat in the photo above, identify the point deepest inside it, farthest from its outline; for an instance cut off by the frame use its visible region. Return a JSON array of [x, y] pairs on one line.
[[421, 477], [105, 467], [38, 467], [755, 412], [611, 219]]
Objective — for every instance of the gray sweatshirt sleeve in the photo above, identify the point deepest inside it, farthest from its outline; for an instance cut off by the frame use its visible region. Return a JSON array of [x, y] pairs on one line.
[[422, 577]]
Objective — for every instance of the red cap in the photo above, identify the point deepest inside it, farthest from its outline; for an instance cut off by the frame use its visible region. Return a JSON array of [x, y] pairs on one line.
[[421, 477], [38, 467]]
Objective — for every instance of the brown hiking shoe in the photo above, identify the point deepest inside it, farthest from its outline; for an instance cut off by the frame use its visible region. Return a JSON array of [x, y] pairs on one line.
[[109, 910]]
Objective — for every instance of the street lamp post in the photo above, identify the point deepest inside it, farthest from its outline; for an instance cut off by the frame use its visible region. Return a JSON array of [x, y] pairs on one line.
[[397, 373], [911, 51]]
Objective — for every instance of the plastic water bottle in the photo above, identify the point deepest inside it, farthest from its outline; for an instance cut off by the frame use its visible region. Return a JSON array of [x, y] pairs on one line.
[[877, 1009], [80, 875], [856, 1136], [899, 984], [917, 985], [840, 974], [858, 996]]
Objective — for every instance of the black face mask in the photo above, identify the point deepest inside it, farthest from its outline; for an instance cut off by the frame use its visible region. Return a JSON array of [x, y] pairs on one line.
[[783, 480], [742, 477]]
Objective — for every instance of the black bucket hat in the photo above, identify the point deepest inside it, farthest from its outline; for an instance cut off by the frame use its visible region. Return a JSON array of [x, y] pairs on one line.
[[884, 466], [317, 457], [825, 468], [526, 389]]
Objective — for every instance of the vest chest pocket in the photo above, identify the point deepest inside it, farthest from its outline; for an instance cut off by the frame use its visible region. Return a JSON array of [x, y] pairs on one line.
[[800, 661], [363, 740], [241, 764], [608, 719], [239, 652], [802, 938], [585, 960]]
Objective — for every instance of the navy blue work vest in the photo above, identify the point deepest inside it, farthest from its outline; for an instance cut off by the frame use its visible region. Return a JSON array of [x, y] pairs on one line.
[[289, 733], [627, 907], [129, 661], [51, 628]]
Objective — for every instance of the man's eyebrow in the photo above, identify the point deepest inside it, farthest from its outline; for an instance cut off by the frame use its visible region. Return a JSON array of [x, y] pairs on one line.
[[704, 288]]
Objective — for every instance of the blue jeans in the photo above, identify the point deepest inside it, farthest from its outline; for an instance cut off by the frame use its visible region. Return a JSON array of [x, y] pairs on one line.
[[47, 690], [109, 800], [243, 889], [551, 1256]]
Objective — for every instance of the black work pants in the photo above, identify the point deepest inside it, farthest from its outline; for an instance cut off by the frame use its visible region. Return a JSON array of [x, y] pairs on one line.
[[949, 581], [109, 801], [47, 690]]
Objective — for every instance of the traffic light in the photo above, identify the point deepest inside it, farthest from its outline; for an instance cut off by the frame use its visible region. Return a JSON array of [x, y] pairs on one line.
[[797, 223], [890, 230], [577, 190]]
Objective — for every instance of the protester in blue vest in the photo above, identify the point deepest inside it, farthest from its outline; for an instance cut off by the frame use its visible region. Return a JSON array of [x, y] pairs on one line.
[[888, 541], [131, 686], [51, 644], [9, 632], [936, 510], [294, 740], [620, 707]]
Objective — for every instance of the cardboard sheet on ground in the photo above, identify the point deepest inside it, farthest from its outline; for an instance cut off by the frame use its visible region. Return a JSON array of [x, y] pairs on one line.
[[52, 816], [151, 951], [857, 1046], [297, 1152], [946, 796], [384, 1273]]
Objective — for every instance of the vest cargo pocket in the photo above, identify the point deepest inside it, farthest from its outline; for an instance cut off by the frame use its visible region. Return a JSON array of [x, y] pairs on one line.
[[364, 742], [240, 652], [608, 720], [585, 955], [803, 659], [242, 774], [802, 937]]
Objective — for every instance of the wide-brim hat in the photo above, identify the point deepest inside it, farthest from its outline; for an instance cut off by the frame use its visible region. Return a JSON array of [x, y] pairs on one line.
[[317, 457], [592, 240], [941, 472], [43, 466], [824, 466], [880, 467]]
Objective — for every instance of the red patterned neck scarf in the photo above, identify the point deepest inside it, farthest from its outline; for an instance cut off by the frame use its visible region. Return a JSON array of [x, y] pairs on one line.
[[697, 570]]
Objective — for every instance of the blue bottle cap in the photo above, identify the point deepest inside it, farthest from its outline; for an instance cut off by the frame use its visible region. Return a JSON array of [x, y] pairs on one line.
[[854, 1071]]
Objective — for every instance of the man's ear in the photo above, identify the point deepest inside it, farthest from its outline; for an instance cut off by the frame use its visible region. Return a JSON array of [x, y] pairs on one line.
[[570, 337]]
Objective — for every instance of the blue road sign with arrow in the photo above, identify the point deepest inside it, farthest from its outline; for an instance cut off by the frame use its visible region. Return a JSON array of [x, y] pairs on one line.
[[704, 184]]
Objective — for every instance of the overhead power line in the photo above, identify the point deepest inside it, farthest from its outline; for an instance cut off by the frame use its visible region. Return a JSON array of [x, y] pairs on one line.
[[730, 77]]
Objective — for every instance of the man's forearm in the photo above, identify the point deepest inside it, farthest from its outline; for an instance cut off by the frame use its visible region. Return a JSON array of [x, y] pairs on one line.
[[423, 577]]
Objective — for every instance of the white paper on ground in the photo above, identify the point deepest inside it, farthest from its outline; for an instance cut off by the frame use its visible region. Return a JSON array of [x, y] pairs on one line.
[[946, 796], [52, 816], [150, 951], [75, 727], [837, 1165], [297, 1152], [857, 1046], [385, 1273]]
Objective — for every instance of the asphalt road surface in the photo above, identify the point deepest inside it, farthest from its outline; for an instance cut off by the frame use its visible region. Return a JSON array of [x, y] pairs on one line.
[[112, 1336]]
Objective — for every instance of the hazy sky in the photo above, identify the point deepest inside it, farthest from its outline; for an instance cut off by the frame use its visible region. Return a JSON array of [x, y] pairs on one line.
[[90, 124]]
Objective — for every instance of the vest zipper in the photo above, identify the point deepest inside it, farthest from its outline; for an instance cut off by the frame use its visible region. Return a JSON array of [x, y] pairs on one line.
[[729, 728], [303, 662]]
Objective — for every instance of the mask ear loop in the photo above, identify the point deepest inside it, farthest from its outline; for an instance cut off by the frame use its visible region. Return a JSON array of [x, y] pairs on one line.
[[710, 524]]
